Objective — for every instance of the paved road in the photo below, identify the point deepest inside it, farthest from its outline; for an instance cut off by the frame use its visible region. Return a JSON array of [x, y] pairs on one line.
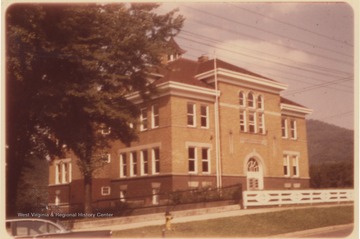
[[337, 232]]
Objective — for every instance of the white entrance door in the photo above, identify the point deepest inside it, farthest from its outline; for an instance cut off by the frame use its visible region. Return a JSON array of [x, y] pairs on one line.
[[254, 176]]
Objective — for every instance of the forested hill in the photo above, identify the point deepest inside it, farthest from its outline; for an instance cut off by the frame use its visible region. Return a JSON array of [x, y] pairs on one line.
[[329, 143]]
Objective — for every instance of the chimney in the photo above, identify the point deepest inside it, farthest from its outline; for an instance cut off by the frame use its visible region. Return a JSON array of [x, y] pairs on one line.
[[203, 58]]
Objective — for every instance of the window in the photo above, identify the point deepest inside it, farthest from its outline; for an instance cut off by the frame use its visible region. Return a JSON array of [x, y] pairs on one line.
[[144, 162], [204, 116], [261, 123], [155, 196], [105, 191], [155, 116], [123, 165], [122, 196], [63, 171], [250, 100], [291, 164], [243, 121], [252, 124], [286, 165], [295, 165], [284, 133], [293, 133], [57, 200], [252, 165], [133, 161], [58, 173], [156, 160], [143, 119], [192, 159], [260, 102], [242, 99], [205, 160], [191, 115], [253, 183], [106, 158], [106, 131]]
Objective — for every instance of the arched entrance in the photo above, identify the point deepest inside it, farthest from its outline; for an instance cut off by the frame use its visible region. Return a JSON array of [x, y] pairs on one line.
[[254, 174]]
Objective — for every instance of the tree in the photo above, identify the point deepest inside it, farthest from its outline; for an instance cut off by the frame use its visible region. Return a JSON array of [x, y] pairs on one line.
[[69, 69]]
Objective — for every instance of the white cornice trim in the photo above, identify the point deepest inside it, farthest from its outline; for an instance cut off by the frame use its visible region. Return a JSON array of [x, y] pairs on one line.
[[244, 78], [179, 89], [287, 108]]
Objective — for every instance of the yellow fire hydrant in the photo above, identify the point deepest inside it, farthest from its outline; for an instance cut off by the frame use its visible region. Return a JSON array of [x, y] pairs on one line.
[[168, 218]]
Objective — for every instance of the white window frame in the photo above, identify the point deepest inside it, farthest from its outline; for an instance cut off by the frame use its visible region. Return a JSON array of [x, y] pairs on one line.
[[57, 200], [191, 114], [293, 129], [252, 122], [260, 102], [284, 128], [105, 191], [243, 120], [261, 123], [251, 102], [106, 131], [133, 164], [194, 160], [106, 158], [155, 160], [63, 174], [205, 160], [144, 162], [206, 116], [58, 173], [286, 164], [295, 165], [143, 119], [155, 196], [122, 197], [242, 99], [123, 165], [155, 118]]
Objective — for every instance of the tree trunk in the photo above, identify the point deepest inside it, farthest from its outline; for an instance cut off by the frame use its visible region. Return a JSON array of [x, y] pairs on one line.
[[88, 194]]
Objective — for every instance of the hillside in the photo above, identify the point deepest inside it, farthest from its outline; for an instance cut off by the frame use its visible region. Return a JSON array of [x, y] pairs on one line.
[[329, 143], [331, 155]]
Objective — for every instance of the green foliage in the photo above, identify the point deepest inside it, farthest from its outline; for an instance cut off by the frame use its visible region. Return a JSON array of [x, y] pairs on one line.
[[205, 194], [329, 143], [331, 155], [332, 175], [69, 68]]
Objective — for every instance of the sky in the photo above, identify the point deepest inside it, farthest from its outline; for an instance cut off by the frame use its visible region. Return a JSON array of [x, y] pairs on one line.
[[308, 46]]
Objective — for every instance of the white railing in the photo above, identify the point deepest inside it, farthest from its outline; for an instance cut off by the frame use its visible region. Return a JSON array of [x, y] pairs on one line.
[[285, 197]]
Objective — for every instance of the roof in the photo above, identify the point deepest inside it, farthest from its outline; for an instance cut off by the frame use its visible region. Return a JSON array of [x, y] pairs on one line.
[[289, 102], [172, 44], [182, 71], [209, 65]]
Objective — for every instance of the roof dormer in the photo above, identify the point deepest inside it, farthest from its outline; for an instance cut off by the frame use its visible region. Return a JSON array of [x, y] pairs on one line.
[[174, 52]]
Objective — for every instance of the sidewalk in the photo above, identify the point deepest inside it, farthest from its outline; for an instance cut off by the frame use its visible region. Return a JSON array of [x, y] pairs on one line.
[[116, 224]]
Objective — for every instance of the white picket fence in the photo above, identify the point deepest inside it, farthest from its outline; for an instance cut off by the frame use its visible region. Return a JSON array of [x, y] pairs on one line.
[[286, 197]]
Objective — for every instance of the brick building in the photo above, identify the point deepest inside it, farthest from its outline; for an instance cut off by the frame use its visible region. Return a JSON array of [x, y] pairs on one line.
[[212, 124]]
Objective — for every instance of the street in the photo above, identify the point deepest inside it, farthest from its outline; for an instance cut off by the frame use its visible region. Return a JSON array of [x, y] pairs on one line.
[[337, 232]]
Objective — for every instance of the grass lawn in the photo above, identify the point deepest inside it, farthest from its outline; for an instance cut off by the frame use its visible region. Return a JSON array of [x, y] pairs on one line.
[[255, 225]]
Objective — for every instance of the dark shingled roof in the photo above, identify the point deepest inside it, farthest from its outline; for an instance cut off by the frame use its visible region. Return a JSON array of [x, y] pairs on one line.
[[182, 71]]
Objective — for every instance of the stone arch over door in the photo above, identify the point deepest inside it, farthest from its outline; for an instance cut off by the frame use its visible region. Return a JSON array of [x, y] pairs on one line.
[[254, 168]]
